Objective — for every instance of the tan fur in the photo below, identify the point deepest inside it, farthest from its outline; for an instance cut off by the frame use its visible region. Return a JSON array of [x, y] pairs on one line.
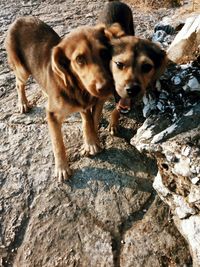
[[114, 31], [70, 71]]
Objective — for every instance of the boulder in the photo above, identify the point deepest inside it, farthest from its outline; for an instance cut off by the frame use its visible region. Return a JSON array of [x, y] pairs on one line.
[[186, 44]]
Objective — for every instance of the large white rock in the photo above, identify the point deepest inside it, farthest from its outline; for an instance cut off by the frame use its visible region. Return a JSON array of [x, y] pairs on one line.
[[190, 230], [187, 41]]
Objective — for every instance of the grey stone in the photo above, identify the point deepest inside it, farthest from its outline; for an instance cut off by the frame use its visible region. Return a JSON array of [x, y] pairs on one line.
[[140, 240], [159, 36], [194, 85]]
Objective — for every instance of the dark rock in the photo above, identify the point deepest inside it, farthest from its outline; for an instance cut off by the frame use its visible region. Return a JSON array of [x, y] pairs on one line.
[[166, 28], [159, 36]]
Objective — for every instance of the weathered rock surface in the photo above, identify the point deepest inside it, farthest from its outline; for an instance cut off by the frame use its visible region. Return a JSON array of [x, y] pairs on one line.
[[187, 42], [108, 214], [139, 241]]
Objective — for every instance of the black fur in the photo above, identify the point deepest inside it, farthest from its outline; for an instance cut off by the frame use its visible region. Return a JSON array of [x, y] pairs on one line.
[[117, 12]]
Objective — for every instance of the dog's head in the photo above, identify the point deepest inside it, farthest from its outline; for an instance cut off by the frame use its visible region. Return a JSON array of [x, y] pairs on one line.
[[84, 55], [135, 64]]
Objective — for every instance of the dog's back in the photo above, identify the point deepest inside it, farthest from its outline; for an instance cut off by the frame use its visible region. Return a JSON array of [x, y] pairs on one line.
[[118, 12], [25, 44]]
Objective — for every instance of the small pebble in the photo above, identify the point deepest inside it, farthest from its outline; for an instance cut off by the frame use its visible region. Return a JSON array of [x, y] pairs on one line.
[[159, 36], [176, 80], [195, 180], [2, 91], [194, 84]]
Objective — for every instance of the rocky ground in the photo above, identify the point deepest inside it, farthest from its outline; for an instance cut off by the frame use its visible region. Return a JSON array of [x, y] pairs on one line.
[[108, 214]]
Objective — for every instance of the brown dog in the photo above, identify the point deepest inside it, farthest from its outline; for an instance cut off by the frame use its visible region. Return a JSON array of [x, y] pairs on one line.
[[136, 63], [71, 71]]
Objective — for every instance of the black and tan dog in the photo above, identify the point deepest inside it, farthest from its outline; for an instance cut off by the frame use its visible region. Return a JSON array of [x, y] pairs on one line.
[[71, 71], [136, 63]]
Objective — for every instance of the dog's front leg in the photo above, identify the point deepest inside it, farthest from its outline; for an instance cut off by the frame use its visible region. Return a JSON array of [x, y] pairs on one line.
[[91, 140], [62, 170], [114, 121], [96, 114]]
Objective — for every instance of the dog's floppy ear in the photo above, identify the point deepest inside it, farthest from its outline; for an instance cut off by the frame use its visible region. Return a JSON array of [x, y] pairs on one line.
[[60, 63], [114, 31]]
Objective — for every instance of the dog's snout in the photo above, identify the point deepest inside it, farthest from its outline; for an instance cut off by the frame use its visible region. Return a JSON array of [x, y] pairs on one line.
[[134, 89], [103, 89], [100, 86]]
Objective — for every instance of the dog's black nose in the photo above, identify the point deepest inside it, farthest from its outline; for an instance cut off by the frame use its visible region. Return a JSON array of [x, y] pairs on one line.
[[134, 89]]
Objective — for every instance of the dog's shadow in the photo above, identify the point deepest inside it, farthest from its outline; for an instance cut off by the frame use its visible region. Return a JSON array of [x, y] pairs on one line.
[[115, 167], [93, 176]]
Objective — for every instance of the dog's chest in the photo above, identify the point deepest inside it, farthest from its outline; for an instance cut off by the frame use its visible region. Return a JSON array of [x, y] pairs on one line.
[[79, 99]]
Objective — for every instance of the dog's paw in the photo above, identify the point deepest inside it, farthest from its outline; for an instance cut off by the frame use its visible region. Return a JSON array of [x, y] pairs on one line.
[[63, 173], [113, 129], [24, 107], [91, 149]]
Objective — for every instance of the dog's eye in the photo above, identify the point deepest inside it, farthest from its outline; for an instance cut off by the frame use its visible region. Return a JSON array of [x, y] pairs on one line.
[[146, 67], [120, 65], [81, 60]]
